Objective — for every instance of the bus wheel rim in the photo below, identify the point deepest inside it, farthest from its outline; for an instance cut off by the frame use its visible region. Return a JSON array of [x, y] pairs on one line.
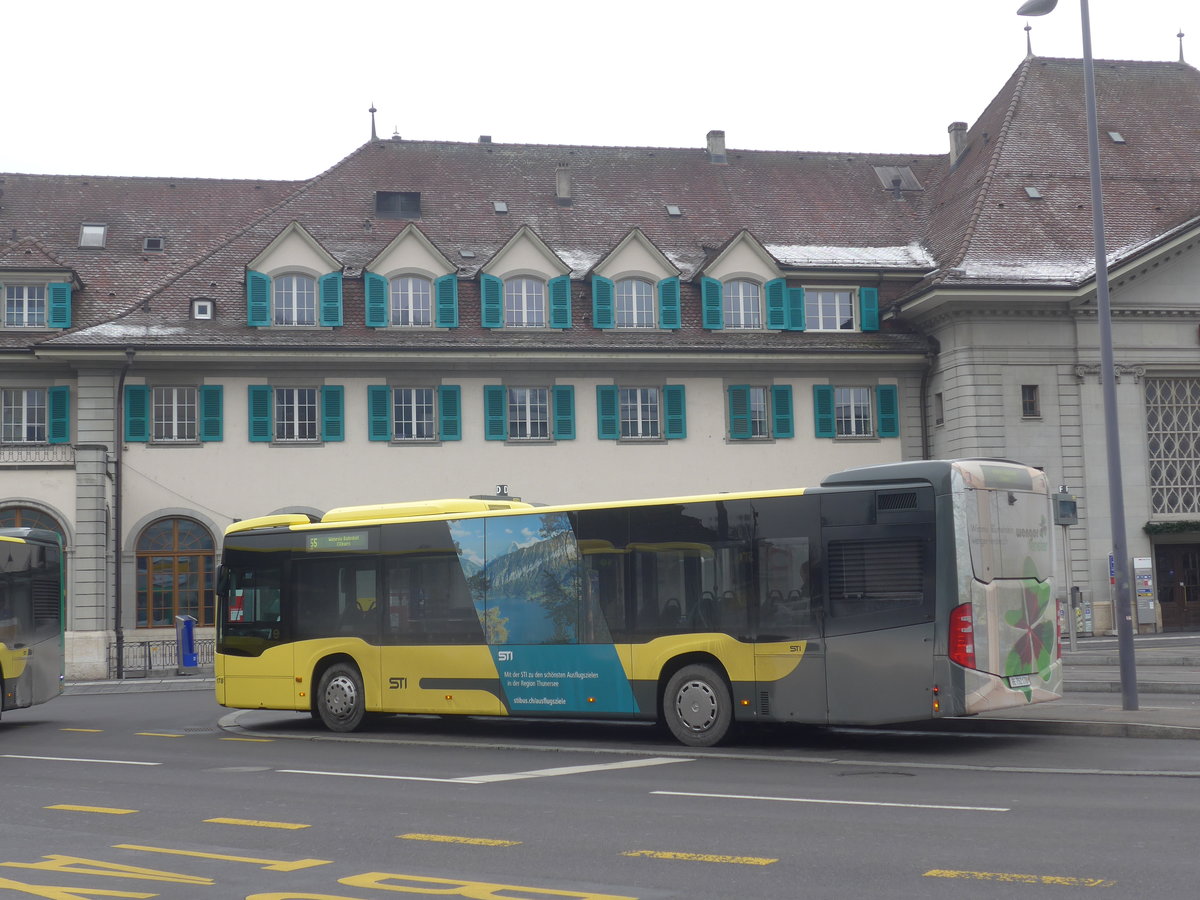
[[696, 705], [340, 696]]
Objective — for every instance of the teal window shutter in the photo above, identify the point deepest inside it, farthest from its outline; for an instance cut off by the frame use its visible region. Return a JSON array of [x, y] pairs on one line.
[[212, 412], [258, 402], [602, 302], [674, 412], [740, 428], [446, 289], [608, 422], [782, 425], [491, 301], [379, 412], [713, 312], [668, 303], [564, 412], [58, 414], [777, 309], [887, 410], [795, 311], [495, 412], [823, 420], [333, 413], [137, 413], [258, 299], [560, 301], [376, 289], [450, 412], [331, 299], [868, 308], [59, 314]]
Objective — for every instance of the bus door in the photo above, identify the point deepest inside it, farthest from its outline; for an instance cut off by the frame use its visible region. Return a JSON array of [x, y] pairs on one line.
[[789, 652], [878, 559]]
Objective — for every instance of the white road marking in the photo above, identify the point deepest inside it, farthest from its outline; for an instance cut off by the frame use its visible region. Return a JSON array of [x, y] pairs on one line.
[[112, 762], [574, 770], [832, 802], [504, 776]]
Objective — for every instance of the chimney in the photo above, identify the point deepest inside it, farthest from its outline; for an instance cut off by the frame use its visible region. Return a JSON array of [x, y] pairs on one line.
[[716, 148], [958, 141], [562, 184]]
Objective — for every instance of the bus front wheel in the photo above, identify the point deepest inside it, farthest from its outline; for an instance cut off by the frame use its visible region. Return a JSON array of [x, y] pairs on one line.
[[697, 706], [340, 704]]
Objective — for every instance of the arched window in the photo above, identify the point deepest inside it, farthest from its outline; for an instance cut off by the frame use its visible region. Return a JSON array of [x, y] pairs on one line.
[[635, 303], [412, 300], [743, 306], [28, 517], [524, 302], [174, 573], [295, 300]]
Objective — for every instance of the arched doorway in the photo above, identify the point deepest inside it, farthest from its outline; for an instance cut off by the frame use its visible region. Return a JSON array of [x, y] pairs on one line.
[[175, 559]]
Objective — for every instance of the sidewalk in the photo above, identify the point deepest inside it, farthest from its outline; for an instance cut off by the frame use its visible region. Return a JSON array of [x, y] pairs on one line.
[[1168, 693]]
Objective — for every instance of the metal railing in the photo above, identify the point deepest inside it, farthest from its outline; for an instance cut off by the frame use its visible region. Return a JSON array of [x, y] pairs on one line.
[[142, 659]]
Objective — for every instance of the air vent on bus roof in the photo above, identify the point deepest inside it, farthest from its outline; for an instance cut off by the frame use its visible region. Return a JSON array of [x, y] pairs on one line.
[[891, 502]]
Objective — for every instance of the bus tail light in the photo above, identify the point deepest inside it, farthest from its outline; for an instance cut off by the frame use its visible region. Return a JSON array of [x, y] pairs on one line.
[[962, 636]]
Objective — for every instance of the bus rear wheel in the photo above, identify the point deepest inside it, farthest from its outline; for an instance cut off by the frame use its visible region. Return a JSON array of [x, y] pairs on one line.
[[340, 704], [697, 706]]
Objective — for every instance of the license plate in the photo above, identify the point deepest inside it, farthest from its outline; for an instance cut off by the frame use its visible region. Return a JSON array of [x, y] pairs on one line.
[[1018, 681]]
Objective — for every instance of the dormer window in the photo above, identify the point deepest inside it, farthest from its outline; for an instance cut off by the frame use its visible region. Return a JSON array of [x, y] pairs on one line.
[[398, 204], [25, 306], [92, 235], [294, 300], [743, 304], [524, 303]]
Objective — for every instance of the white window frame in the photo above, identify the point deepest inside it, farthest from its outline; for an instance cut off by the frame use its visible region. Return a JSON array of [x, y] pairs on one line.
[[295, 415], [759, 398], [528, 416], [641, 413], [294, 299], [21, 310], [524, 302], [93, 234], [853, 412], [826, 309], [741, 300], [411, 301], [414, 415], [634, 303], [173, 415], [24, 416]]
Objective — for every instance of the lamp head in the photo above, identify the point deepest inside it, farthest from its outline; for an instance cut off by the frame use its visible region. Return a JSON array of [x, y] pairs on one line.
[[1037, 7]]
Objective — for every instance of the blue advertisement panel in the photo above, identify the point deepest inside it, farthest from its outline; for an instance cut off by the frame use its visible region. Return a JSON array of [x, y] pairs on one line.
[[584, 678]]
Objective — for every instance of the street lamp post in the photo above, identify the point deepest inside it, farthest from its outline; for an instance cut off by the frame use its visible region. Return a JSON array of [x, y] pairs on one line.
[[1122, 611]]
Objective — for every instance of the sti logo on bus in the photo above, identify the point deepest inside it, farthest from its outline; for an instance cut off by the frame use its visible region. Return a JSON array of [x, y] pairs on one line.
[[504, 655], [397, 684]]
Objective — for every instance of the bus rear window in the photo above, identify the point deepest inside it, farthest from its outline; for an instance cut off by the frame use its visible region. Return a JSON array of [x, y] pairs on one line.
[[1009, 533]]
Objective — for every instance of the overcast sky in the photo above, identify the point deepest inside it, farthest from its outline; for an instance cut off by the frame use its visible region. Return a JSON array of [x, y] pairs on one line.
[[280, 90]]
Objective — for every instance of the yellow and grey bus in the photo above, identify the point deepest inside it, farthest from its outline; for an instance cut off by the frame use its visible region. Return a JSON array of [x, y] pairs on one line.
[[31, 617], [887, 594]]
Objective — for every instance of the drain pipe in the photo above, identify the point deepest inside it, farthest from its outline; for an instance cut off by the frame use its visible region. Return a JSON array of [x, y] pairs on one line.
[[118, 445]]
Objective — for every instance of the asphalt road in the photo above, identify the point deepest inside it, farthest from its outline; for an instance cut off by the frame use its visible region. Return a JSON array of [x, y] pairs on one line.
[[167, 795]]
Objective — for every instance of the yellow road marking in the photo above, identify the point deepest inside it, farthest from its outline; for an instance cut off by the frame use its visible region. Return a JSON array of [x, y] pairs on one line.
[[444, 887], [256, 823], [272, 865], [84, 730], [78, 865], [1019, 878], [249, 740], [112, 811], [703, 857], [155, 734], [454, 839]]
